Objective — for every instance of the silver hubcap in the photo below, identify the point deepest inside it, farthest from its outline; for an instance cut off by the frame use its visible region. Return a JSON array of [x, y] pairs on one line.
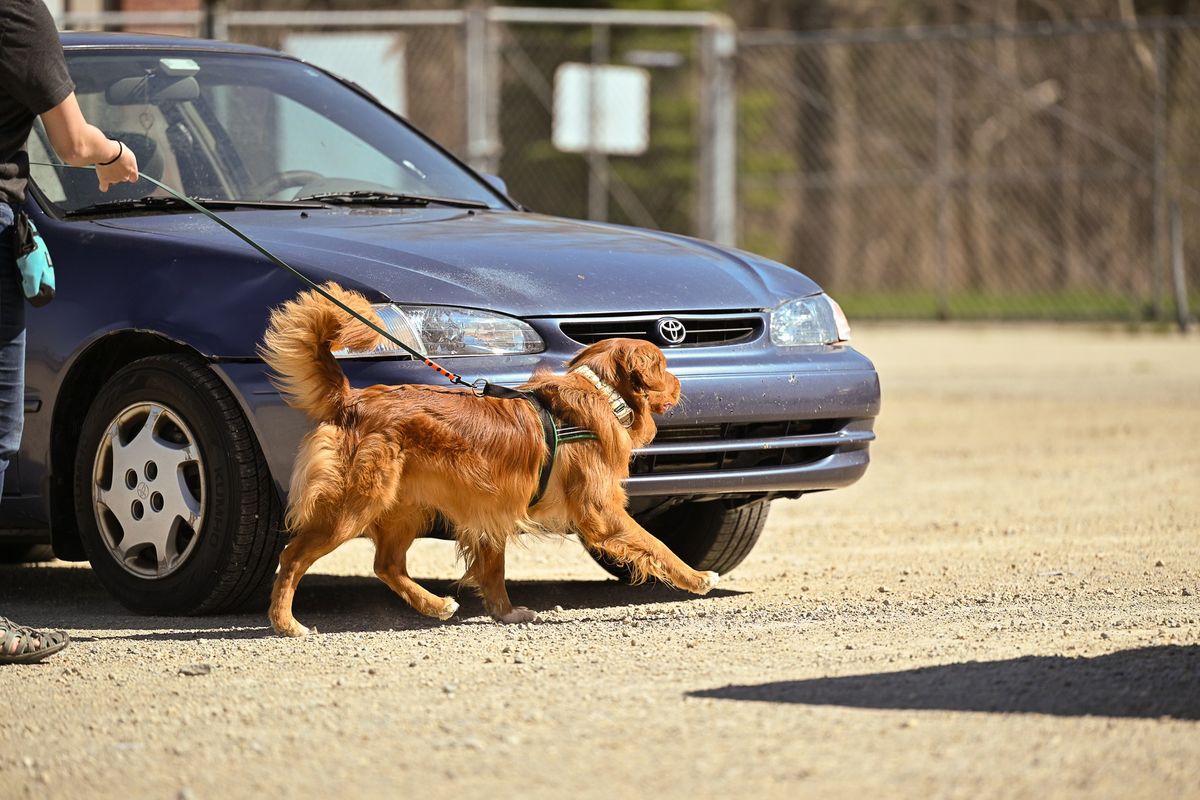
[[148, 490]]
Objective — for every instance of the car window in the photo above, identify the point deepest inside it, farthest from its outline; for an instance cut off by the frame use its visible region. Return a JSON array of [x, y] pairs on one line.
[[276, 135], [48, 180], [246, 127]]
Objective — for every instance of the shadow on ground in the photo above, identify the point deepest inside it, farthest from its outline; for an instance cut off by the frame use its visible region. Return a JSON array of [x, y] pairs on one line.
[[75, 600], [1147, 682]]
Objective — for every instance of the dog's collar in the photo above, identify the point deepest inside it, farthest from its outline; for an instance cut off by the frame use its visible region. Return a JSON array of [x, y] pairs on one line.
[[620, 408]]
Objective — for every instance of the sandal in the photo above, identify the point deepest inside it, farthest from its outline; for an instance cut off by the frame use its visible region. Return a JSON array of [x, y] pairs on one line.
[[23, 645]]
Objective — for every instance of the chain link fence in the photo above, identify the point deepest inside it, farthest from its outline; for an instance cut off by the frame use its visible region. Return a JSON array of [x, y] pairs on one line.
[[1033, 173], [1042, 172], [662, 187]]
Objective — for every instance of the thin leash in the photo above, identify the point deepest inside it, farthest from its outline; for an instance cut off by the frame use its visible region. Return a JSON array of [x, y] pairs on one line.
[[480, 386]]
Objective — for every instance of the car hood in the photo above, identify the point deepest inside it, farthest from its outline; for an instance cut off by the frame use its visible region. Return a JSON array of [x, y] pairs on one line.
[[519, 263]]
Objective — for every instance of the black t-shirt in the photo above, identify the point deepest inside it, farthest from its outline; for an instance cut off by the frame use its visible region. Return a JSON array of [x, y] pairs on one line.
[[33, 80]]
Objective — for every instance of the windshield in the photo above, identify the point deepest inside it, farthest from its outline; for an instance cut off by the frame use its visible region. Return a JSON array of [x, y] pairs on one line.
[[247, 128]]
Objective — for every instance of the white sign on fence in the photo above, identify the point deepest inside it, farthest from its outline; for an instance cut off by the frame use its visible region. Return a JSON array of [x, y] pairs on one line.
[[375, 61], [601, 109]]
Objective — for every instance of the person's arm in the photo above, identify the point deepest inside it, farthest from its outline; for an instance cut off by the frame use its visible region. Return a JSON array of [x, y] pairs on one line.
[[76, 142]]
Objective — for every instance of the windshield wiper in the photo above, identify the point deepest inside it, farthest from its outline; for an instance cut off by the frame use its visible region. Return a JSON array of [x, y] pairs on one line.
[[175, 204], [375, 198]]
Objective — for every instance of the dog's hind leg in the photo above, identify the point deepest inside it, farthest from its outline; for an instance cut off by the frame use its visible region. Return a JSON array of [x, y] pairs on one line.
[[393, 536], [485, 571], [294, 561], [619, 536], [316, 539]]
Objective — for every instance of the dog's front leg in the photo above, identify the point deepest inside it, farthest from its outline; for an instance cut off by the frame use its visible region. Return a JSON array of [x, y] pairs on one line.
[[486, 573], [621, 538]]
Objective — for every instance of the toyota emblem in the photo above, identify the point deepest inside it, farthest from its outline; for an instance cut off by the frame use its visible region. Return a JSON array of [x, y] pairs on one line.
[[671, 330]]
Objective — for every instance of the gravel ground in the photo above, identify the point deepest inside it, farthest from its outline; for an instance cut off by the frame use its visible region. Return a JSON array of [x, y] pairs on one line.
[[1008, 605]]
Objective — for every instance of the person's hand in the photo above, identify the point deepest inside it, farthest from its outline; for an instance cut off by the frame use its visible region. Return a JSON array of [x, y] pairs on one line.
[[123, 170]]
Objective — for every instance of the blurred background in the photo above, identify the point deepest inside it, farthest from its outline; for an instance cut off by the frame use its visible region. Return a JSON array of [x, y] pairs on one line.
[[979, 159]]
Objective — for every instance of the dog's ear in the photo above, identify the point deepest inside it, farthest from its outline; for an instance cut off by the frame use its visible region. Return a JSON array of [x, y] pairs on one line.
[[600, 357], [644, 365]]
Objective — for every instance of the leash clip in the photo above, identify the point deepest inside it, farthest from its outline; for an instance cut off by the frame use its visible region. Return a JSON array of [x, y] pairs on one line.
[[479, 387]]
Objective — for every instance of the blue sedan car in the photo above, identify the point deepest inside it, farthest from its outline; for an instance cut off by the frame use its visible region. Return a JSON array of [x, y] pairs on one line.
[[155, 446]]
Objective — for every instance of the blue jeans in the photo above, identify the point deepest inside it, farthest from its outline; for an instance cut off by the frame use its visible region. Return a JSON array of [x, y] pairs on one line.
[[12, 347]]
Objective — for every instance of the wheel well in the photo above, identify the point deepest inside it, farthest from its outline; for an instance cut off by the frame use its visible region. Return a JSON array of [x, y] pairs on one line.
[[79, 389]]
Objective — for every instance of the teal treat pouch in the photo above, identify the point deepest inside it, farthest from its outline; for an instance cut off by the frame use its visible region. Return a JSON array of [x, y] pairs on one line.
[[33, 261]]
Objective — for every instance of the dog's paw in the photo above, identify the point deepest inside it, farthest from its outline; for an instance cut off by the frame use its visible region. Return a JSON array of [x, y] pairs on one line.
[[711, 579], [449, 606], [517, 615], [295, 629]]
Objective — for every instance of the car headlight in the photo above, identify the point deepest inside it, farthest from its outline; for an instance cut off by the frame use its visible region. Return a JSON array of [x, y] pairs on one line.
[[809, 320], [440, 331]]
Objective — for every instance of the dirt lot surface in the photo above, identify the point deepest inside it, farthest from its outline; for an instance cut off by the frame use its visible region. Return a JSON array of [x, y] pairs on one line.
[[1008, 605]]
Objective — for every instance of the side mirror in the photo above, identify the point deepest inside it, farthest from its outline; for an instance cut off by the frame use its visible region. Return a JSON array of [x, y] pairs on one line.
[[497, 183]]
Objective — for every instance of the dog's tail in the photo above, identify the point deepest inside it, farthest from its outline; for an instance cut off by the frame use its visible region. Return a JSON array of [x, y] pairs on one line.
[[297, 346]]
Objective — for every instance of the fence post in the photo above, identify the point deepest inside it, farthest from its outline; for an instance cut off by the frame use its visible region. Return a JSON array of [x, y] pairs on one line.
[[598, 178], [482, 146], [495, 93], [943, 167], [1160, 173], [717, 206], [216, 25], [1183, 314]]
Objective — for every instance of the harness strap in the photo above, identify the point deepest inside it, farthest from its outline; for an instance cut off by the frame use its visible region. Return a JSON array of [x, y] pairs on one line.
[[573, 433], [550, 431], [554, 436], [506, 393]]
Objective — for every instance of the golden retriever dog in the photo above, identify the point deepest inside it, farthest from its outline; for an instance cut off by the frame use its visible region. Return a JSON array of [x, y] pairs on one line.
[[385, 461]]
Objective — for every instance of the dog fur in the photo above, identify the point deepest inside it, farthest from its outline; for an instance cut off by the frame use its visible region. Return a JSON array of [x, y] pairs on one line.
[[384, 461]]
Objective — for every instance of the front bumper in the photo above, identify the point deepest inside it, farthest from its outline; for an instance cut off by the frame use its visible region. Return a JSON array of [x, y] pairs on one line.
[[749, 432], [798, 426]]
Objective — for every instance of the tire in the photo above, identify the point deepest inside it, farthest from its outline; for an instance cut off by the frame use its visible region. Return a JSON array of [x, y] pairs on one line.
[[25, 553], [176, 507], [705, 535]]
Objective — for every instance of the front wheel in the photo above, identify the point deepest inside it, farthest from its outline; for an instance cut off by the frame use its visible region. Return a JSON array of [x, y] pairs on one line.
[[174, 501], [705, 535]]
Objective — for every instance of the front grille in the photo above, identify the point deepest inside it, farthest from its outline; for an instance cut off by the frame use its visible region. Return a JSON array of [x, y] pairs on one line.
[[702, 330], [739, 446]]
